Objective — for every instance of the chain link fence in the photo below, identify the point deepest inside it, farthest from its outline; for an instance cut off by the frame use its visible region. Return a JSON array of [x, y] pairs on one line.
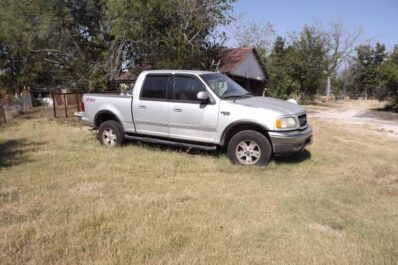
[[12, 106]]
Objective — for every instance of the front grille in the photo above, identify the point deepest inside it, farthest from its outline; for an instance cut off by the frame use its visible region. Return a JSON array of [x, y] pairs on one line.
[[303, 120]]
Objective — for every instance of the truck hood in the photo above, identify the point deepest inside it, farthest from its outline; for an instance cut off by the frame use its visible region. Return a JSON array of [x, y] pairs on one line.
[[277, 105]]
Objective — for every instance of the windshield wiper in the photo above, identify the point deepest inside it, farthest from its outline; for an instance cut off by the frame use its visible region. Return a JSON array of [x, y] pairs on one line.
[[237, 96]]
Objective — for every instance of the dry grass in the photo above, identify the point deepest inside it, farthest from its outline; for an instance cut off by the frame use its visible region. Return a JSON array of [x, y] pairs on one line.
[[64, 199]]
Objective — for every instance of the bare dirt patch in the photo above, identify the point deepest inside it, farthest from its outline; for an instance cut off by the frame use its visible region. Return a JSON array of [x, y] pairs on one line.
[[87, 189], [368, 114], [327, 230]]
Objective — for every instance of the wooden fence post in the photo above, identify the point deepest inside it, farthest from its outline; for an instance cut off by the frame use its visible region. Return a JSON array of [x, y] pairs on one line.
[[66, 108], [54, 103], [77, 102], [2, 115]]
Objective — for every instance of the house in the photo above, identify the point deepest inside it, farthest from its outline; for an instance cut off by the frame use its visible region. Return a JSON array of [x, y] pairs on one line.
[[245, 67]]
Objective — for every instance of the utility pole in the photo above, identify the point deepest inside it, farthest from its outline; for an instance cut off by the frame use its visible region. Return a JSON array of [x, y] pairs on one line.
[[328, 85]]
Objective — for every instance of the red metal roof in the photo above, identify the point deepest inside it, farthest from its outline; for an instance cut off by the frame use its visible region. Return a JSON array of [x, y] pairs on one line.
[[230, 58]]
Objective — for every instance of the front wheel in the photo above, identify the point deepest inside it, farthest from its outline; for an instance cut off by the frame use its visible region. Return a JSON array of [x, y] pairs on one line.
[[110, 133], [249, 148]]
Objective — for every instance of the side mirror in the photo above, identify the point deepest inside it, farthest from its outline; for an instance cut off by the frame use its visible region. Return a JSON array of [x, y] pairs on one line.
[[203, 96]]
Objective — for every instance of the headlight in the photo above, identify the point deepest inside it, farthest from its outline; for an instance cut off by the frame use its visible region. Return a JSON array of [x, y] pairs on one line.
[[286, 123]]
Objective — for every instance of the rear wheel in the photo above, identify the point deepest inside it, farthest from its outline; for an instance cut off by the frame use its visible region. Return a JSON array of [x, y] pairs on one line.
[[249, 148], [110, 133]]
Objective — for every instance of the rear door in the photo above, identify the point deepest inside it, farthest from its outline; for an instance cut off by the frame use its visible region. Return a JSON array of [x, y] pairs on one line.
[[151, 109], [189, 118]]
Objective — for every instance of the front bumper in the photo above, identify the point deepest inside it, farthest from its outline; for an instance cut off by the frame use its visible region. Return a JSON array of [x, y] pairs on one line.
[[287, 143]]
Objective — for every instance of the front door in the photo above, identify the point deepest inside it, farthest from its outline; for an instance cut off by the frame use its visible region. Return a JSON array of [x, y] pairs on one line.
[[189, 118]]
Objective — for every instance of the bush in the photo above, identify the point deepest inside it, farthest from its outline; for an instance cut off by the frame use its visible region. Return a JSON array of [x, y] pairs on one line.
[[2, 93], [381, 93], [394, 103]]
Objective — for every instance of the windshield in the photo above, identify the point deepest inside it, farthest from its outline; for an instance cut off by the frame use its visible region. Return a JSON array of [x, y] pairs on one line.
[[224, 87]]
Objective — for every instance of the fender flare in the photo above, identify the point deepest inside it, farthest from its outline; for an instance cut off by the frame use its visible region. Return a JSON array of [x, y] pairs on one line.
[[107, 112], [241, 123]]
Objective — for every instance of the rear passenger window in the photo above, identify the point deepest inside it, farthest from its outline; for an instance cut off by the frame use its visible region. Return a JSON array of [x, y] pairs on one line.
[[186, 88], [155, 87]]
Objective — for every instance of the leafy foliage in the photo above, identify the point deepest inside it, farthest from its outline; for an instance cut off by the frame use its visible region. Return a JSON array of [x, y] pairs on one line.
[[373, 71], [86, 43], [51, 42], [281, 82], [299, 69], [309, 61], [388, 77], [174, 34], [254, 34], [366, 63]]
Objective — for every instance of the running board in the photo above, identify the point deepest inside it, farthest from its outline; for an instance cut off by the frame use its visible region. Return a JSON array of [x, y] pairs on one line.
[[172, 143]]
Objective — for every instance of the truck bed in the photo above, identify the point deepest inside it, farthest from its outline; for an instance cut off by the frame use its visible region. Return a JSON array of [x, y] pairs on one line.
[[120, 105]]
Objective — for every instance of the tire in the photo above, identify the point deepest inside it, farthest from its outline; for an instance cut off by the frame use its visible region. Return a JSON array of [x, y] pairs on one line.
[[111, 133], [249, 148]]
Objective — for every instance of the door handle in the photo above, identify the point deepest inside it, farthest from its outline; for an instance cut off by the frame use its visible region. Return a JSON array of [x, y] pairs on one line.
[[177, 110], [142, 107]]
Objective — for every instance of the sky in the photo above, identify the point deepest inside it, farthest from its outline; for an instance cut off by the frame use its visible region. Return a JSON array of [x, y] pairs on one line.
[[378, 19]]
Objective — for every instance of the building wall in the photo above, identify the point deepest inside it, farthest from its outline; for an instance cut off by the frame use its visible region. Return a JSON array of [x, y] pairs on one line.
[[249, 68]]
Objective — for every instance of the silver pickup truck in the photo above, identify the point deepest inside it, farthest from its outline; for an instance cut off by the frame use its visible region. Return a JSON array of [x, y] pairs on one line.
[[202, 110]]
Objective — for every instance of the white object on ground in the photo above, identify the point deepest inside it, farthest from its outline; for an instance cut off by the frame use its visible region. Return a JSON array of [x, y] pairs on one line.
[[48, 101]]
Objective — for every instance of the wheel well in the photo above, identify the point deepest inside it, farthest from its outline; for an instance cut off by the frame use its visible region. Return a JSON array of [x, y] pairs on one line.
[[234, 129], [105, 116]]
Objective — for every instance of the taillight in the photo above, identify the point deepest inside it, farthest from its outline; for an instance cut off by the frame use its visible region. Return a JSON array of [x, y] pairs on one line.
[[82, 106]]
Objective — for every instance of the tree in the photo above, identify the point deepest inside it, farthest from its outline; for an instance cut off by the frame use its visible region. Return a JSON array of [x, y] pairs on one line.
[[281, 83], [86, 42], [388, 77], [340, 44], [174, 34], [254, 34], [309, 61], [58, 40], [366, 63], [298, 69], [9, 68]]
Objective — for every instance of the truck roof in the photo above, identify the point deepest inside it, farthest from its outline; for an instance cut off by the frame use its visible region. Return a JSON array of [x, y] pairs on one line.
[[195, 72]]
